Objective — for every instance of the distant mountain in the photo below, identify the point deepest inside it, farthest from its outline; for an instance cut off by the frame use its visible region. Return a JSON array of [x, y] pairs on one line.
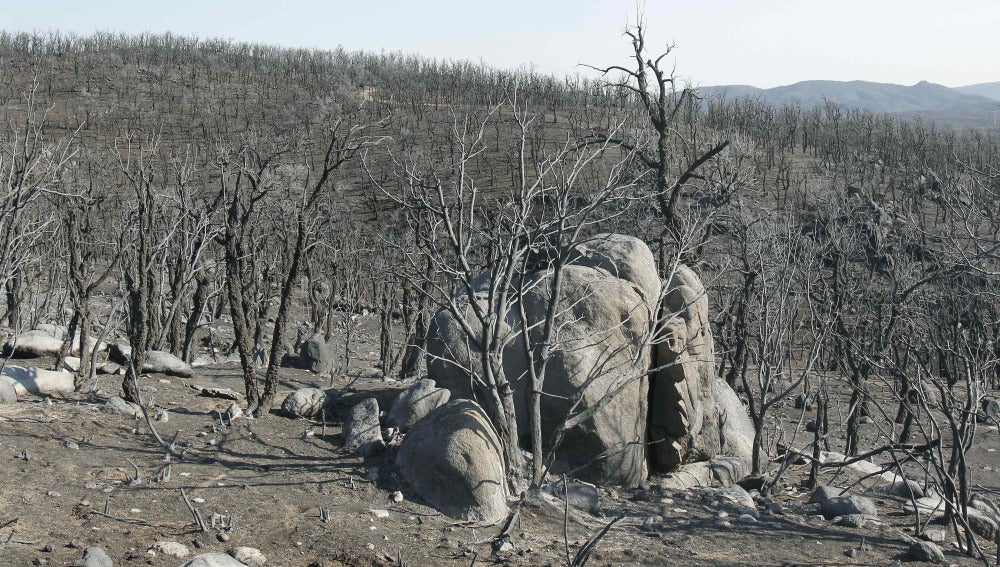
[[989, 90], [975, 106]]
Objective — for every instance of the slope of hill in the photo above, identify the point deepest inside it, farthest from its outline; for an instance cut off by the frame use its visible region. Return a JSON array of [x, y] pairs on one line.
[[989, 90], [966, 107]]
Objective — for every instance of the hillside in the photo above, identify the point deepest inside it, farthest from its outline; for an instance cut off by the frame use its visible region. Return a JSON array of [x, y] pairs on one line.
[[988, 90], [972, 107]]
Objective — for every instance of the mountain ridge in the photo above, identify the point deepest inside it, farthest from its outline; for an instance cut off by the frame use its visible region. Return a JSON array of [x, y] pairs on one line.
[[971, 106]]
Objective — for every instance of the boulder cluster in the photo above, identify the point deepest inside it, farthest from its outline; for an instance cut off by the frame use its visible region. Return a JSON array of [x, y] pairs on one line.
[[631, 358]]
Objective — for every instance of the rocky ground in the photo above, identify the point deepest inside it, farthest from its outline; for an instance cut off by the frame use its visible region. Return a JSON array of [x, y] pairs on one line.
[[76, 476]]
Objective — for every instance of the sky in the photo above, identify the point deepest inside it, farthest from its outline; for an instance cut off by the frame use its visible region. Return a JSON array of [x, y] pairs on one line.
[[755, 42]]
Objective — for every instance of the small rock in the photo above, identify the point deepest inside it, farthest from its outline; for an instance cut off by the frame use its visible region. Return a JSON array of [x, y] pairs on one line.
[[652, 523], [48, 548], [845, 505], [397, 497], [249, 556], [214, 560], [380, 513], [71, 445], [171, 548], [95, 557], [851, 552], [935, 534], [851, 521], [926, 551], [746, 519], [53, 494]]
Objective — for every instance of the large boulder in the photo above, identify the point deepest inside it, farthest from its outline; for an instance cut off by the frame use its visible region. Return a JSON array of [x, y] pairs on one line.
[[315, 355], [156, 362], [625, 257], [597, 365], [305, 402], [734, 426], [32, 344], [454, 461], [8, 394], [362, 432], [454, 361], [159, 362], [414, 403], [683, 422], [30, 380]]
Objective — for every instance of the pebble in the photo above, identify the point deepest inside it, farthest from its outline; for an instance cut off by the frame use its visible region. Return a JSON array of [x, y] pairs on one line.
[[71, 445], [54, 494], [746, 519], [171, 548], [380, 513], [397, 497], [91, 485]]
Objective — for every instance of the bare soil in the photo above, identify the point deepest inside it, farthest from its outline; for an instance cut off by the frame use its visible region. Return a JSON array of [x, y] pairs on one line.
[[67, 484]]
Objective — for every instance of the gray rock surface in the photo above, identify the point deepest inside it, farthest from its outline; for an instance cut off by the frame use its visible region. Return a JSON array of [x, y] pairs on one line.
[[362, 431], [213, 560], [847, 505], [453, 460], [305, 402], [315, 355], [926, 551], [32, 344], [160, 362], [683, 421], [601, 323], [95, 557], [118, 405], [625, 257], [414, 403], [8, 394], [249, 556]]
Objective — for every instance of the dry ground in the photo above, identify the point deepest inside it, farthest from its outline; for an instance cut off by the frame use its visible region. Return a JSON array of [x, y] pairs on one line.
[[66, 483]]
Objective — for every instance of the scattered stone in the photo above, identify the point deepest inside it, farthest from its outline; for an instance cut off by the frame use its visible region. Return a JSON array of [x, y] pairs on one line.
[[362, 432], [380, 513], [315, 355], [171, 548], [8, 395], [823, 493], [989, 411], [305, 402], [982, 525], [213, 560], [811, 426], [38, 381], [397, 497], [159, 362], [737, 498], [414, 403], [851, 521], [936, 534], [118, 405], [846, 505], [929, 506], [95, 557], [904, 488], [454, 461], [652, 523], [803, 402], [926, 551], [746, 519], [249, 556], [581, 495], [110, 368]]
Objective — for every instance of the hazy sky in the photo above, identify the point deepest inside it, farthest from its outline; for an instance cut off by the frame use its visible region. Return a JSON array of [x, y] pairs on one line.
[[763, 43]]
